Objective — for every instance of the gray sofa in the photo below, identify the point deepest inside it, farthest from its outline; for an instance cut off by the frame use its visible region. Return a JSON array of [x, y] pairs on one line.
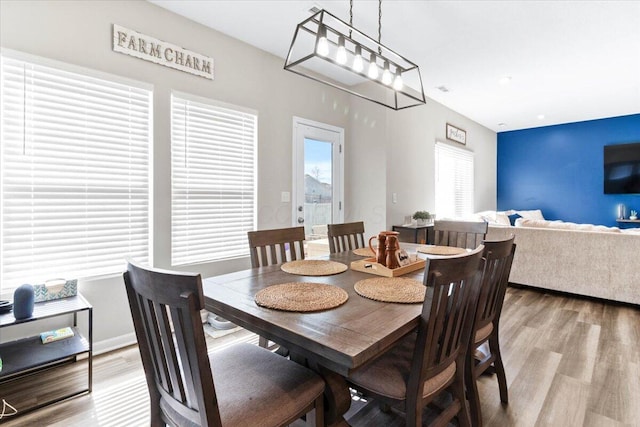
[[594, 261]]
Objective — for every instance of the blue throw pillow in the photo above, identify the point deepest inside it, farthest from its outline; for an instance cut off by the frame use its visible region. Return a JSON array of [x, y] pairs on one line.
[[513, 217]]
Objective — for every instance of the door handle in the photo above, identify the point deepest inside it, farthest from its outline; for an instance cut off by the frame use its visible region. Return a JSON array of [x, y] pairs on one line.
[[300, 220]]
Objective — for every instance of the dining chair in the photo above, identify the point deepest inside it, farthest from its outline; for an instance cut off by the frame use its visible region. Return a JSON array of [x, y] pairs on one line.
[[345, 237], [252, 385], [461, 234], [425, 364], [277, 246], [498, 257], [272, 247]]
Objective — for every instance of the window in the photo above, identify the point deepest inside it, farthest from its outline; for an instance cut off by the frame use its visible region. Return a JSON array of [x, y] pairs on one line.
[[454, 181], [213, 179], [75, 171]]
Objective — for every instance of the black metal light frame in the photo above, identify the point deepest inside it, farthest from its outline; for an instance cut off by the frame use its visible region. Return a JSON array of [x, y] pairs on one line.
[[408, 96]]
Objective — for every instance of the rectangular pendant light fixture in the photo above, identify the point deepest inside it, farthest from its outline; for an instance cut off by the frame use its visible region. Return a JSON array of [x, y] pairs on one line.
[[327, 49]]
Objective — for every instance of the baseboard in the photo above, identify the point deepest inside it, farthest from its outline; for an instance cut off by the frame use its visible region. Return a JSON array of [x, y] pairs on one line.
[[572, 295], [115, 343]]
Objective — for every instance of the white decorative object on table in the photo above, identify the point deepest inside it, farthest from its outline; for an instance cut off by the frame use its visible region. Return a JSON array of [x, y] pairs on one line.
[[421, 217], [55, 289]]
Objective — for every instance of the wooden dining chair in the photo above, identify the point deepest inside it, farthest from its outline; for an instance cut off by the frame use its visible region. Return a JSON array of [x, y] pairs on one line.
[[277, 246], [421, 366], [345, 237], [498, 257], [272, 247], [252, 387], [461, 234]]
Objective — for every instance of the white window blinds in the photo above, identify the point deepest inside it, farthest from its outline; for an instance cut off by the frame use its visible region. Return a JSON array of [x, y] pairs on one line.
[[75, 171], [454, 181], [213, 179]]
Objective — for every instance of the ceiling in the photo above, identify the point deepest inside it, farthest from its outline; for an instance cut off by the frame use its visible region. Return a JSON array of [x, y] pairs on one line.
[[506, 64]]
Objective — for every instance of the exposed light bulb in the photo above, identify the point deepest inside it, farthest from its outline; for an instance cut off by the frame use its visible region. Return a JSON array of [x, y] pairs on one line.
[[322, 48], [358, 65], [398, 84], [341, 56], [373, 69], [386, 75]]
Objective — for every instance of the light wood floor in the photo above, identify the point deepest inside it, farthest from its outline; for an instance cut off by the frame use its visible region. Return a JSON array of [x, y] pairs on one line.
[[569, 362]]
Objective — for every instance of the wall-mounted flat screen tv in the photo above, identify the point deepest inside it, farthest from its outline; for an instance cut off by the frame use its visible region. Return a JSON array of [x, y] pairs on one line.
[[622, 168]]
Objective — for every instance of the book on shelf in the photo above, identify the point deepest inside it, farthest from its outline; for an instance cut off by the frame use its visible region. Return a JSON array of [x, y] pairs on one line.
[[56, 335]]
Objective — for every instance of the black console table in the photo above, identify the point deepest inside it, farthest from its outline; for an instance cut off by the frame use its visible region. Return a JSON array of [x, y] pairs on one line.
[[422, 234], [28, 365], [628, 221]]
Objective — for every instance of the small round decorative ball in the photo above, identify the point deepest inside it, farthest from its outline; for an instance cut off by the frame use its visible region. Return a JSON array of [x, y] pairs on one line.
[[23, 300]]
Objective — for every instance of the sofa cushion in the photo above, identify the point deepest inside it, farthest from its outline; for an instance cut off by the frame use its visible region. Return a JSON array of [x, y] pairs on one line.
[[513, 218], [502, 218], [487, 216], [531, 214], [559, 225], [490, 217], [534, 223], [506, 217]]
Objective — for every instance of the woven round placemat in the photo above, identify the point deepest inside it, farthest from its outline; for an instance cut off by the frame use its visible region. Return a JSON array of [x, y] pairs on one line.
[[391, 289], [364, 252], [301, 296], [313, 267], [440, 250]]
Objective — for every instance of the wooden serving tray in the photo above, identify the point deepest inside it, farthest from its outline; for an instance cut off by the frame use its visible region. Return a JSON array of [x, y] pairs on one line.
[[369, 265]]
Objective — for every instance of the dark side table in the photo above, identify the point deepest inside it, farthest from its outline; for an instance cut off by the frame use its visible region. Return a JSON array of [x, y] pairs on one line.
[[31, 377], [422, 234]]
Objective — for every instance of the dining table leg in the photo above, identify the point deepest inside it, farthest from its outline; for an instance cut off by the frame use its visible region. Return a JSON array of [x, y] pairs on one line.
[[337, 398]]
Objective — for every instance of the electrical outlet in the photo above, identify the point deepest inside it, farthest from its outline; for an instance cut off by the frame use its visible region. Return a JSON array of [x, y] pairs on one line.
[[285, 197]]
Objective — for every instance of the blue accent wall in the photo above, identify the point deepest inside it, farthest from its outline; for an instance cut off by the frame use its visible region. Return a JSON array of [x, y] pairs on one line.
[[559, 169]]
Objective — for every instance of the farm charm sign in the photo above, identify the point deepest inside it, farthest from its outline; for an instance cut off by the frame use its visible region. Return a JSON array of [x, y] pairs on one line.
[[456, 134], [151, 49]]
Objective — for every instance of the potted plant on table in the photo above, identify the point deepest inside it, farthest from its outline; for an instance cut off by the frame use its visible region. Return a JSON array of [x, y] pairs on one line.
[[422, 217]]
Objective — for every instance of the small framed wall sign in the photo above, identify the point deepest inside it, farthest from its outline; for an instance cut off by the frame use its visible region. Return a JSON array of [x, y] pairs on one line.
[[456, 134]]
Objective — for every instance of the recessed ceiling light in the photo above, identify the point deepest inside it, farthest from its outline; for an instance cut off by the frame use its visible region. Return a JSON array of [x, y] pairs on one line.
[[540, 116], [505, 80]]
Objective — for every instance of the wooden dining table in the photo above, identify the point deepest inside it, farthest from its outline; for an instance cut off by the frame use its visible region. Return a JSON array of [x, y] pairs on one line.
[[334, 342]]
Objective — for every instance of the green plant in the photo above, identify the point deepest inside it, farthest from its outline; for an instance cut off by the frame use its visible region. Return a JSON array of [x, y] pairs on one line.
[[421, 215]]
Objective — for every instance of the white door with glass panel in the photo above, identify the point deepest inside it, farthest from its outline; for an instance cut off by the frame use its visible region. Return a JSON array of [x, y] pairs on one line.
[[318, 173]]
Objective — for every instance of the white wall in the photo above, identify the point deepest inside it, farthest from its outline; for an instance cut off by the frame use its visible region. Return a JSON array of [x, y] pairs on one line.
[[411, 137], [383, 148], [365, 165]]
